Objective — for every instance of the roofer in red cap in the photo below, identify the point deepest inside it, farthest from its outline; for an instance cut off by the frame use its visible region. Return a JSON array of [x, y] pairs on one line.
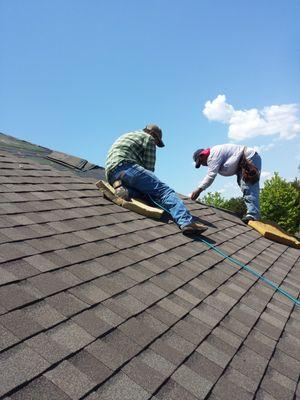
[[129, 168], [232, 159]]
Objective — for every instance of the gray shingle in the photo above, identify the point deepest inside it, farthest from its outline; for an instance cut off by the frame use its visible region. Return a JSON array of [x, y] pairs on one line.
[[145, 376], [167, 281], [260, 343], [173, 391], [168, 352], [82, 268], [7, 338], [138, 331], [89, 293], [173, 347], [285, 364], [12, 251], [92, 323], [147, 293], [157, 362], [192, 382], [121, 387], [226, 389], [107, 315], [66, 304], [6, 276], [41, 389], [204, 367], [214, 354], [189, 295], [192, 331], [70, 336], [290, 345], [116, 261], [19, 365], [263, 395], [138, 272], [94, 369], [70, 380], [235, 326], [127, 304], [46, 244], [156, 325], [278, 385], [43, 314], [47, 348], [48, 283], [227, 336], [245, 314], [241, 380], [20, 324], [41, 263], [13, 296], [269, 330], [162, 314], [207, 314], [114, 349], [88, 270], [173, 308], [114, 283], [20, 268]]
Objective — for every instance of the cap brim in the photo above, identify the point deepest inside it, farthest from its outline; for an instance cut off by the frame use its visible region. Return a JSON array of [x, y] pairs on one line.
[[160, 143], [198, 163]]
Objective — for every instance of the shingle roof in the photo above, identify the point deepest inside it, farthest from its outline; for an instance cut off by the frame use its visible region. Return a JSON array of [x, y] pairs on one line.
[[97, 302]]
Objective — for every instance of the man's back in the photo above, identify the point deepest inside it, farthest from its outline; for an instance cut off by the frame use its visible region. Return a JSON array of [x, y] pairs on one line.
[[224, 158], [135, 147]]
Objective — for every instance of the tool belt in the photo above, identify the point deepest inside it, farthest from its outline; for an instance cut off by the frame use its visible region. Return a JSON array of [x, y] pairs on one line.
[[250, 174]]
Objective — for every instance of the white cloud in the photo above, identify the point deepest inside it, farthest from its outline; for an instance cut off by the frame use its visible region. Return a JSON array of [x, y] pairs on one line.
[[280, 120], [230, 189], [218, 109], [264, 175], [264, 148]]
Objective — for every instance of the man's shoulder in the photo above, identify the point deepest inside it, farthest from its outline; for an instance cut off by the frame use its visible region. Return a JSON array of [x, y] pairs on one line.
[[133, 134], [226, 147]]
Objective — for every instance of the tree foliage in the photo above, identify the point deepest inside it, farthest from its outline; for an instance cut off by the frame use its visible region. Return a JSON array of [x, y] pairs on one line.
[[235, 204], [280, 202], [214, 199]]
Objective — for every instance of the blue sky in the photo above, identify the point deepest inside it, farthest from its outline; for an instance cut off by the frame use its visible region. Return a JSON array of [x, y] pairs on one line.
[[75, 74]]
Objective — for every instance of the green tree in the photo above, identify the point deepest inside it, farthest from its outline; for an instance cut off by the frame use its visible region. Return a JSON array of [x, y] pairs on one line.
[[296, 184], [214, 199], [237, 205], [280, 202]]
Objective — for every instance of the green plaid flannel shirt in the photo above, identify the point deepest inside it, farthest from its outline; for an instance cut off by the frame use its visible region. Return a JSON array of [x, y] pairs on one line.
[[137, 147]]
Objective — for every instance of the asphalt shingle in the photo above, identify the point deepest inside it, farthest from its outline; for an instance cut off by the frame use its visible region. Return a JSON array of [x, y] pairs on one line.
[[98, 302]]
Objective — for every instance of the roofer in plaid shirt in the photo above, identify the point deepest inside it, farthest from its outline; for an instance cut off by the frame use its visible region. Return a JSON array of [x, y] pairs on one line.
[[129, 168]]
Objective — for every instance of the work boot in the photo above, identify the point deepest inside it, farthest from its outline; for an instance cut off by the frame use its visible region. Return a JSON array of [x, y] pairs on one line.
[[194, 228], [247, 218], [123, 193]]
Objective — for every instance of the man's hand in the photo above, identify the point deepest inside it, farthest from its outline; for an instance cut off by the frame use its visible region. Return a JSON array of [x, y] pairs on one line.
[[196, 194]]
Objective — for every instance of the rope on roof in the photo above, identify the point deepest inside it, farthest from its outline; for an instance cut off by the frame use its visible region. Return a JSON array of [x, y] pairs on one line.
[[245, 267]]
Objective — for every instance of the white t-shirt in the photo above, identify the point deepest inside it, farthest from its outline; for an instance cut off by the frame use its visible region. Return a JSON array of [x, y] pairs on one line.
[[224, 159]]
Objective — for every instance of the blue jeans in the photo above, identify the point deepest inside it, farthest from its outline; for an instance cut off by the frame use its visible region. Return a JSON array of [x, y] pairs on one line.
[[251, 192], [142, 183]]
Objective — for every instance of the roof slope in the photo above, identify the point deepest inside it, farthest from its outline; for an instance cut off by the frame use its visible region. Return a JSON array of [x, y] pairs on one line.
[[56, 159], [97, 302]]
